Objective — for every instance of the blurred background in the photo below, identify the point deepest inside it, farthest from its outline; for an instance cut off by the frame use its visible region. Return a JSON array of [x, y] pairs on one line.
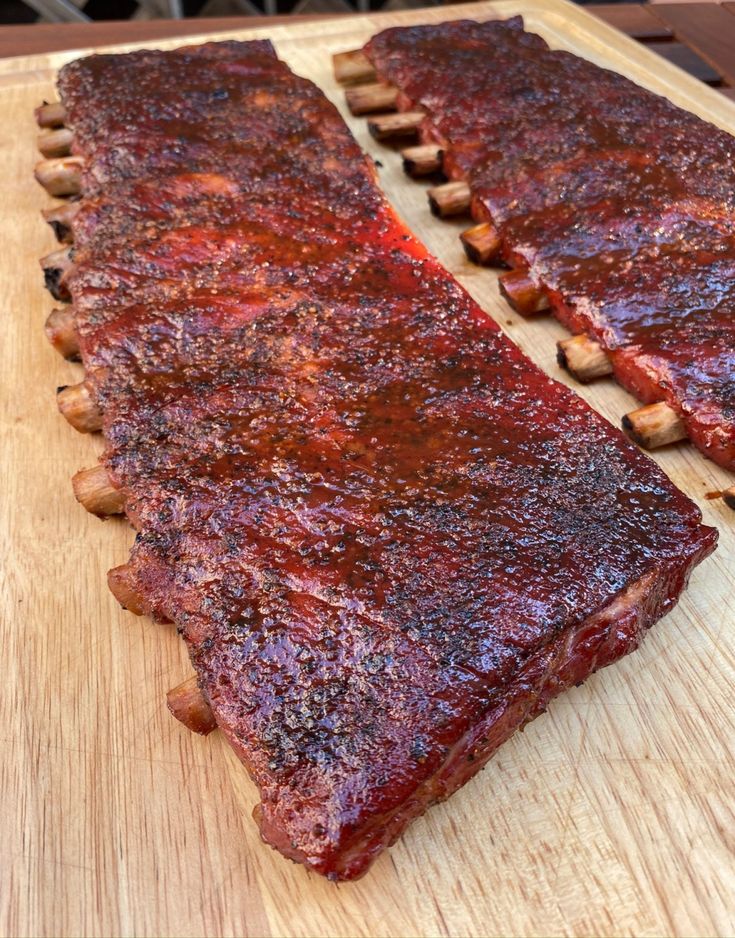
[[45, 11], [50, 11]]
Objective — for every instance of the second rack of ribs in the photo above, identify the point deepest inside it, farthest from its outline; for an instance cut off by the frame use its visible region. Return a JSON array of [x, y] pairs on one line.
[[620, 205]]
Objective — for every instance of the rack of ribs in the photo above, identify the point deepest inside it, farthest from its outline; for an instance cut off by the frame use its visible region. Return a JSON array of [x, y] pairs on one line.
[[614, 207], [386, 537]]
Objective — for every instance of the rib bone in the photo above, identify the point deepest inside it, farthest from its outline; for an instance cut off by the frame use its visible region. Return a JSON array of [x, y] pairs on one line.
[[55, 266], [422, 160], [583, 358], [76, 405], [60, 218], [352, 67], [61, 176], [451, 198], [187, 704], [729, 497], [522, 293], [122, 586], [481, 243], [654, 425], [51, 115], [61, 332], [403, 124], [93, 490], [370, 99], [56, 142]]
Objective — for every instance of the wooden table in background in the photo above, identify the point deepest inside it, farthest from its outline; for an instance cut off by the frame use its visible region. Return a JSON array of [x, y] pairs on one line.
[[53, 37], [698, 37]]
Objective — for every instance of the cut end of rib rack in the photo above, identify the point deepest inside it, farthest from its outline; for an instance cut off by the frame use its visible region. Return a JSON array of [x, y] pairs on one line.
[[351, 68], [654, 425], [61, 332], [422, 160], [402, 124], [61, 176], [451, 198], [481, 243], [52, 114], [371, 99], [187, 704], [56, 142], [76, 405], [522, 293], [583, 358], [60, 218], [728, 497], [94, 491], [55, 266]]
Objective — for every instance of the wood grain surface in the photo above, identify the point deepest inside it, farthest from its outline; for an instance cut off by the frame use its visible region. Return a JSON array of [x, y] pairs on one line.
[[611, 815], [687, 59], [29, 39], [706, 28], [634, 19]]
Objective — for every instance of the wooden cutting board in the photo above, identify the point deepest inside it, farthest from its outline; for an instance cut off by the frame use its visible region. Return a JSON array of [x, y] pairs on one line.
[[611, 815]]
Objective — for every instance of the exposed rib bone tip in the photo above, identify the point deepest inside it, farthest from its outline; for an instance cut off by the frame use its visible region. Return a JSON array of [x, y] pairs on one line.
[[522, 293], [55, 267], [94, 491], [60, 218], [61, 176], [121, 583], [371, 99], [583, 358], [729, 497], [62, 334], [186, 702], [481, 243], [654, 425], [353, 67], [77, 406], [52, 114], [56, 142], [451, 198], [61, 257], [401, 124], [422, 160]]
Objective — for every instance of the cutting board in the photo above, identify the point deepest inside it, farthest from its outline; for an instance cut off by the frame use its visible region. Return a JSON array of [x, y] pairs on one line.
[[610, 815]]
